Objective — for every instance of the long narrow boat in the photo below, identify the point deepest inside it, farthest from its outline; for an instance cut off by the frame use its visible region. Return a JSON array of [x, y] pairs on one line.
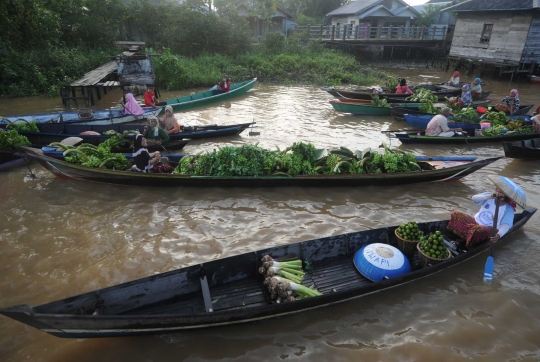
[[398, 110], [405, 137], [421, 121], [442, 92], [432, 169], [99, 117], [359, 108], [203, 98], [194, 297], [529, 149], [56, 132]]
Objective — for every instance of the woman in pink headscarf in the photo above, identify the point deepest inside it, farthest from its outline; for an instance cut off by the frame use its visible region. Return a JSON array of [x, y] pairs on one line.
[[132, 107], [454, 80], [511, 103]]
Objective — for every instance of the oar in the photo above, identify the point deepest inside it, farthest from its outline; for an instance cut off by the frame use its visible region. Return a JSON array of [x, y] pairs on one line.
[[488, 270], [467, 142], [403, 130]]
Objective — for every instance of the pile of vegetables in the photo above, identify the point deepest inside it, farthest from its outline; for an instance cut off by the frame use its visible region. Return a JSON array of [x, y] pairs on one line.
[[299, 159], [410, 231], [495, 118], [11, 139], [428, 107], [466, 115], [494, 130], [434, 246], [422, 94], [97, 156], [391, 82], [283, 280], [23, 126], [376, 102]]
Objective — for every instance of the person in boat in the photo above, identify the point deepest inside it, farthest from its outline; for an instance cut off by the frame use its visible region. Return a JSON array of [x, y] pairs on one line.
[[476, 89], [154, 133], [438, 126], [511, 103], [147, 162], [465, 99], [536, 122], [478, 228], [403, 88], [169, 122], [454, 79], [149, 96], [132, 106], [223, 87]]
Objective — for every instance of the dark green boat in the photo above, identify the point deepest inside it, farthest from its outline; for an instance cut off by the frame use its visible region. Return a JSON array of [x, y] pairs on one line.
[[203, 98]]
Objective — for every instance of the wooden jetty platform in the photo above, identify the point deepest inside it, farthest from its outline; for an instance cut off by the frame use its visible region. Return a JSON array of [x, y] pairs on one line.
[[129, 67]]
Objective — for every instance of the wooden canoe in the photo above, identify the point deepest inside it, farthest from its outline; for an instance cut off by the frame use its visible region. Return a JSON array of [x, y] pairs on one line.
[[203, 98], [421, 121], [442, 92], [433, 169], [398, 110], [529, 149], [359, 108], [100, 117], [404, 137], [230, 291], [56, 132]]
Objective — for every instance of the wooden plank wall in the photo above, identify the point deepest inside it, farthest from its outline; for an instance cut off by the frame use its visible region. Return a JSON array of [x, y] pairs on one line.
[[532, 46], [507, 40]]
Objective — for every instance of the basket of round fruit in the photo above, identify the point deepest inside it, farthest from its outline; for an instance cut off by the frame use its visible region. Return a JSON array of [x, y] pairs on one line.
[[432, 249], [408, 235]]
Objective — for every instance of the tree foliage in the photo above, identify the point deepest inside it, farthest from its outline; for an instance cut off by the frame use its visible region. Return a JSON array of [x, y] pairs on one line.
[[426, 18]]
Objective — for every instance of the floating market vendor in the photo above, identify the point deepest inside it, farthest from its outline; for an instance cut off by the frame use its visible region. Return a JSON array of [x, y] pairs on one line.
[[147, 162], [169, 123], [465, 99], [478, 228], [438, 126], [454, 80], [132, 106], [476, 88], [154, 133], [511, 103], [403, 88]]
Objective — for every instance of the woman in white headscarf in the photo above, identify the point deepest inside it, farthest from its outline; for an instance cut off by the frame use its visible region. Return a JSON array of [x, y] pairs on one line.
[[169, 122], [154, 133]]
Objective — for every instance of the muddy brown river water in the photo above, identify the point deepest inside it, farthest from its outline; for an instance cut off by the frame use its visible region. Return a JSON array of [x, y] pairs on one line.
[[60, 238]]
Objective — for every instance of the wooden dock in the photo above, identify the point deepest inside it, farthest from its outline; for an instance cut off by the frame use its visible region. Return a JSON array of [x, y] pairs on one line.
[[128, 67]]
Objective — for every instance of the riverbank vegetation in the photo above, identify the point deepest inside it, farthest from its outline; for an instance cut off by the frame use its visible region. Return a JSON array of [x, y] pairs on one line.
[[44, 44]]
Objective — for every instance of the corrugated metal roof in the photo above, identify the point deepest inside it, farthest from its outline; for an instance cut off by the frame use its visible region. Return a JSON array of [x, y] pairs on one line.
[[354, 7], [492, 5]]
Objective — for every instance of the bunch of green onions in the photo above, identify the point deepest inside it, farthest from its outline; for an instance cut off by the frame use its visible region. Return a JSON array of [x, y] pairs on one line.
[[291, 270]]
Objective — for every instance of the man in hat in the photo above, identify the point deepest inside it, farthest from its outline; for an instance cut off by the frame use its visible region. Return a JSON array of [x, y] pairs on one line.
[[149, 96], [438, 126]]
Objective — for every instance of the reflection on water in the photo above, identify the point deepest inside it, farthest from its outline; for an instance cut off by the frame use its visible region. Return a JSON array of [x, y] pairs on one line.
[[61, 238]]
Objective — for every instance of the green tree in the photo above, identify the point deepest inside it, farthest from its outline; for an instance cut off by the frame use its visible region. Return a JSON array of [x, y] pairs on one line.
[[426, 18]]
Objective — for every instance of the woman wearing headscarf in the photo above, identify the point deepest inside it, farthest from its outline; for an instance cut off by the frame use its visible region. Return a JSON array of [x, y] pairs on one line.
[[144, 160], [154, 133], [465, 99], [511, 102], [476, 88], [132, 107], [454, 80], [147, 162], [169, 122], [476, 229]]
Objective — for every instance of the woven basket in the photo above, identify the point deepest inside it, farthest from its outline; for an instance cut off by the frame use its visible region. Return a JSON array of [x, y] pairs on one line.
[[425, 260], [406, 246]]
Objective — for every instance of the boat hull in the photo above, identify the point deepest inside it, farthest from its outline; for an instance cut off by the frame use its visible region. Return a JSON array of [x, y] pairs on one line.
[[359, 108], [101, 117], [150, 306], [398, 111], [527, 149], [445, 169], [410, 138], [203, 98], [50, 133]]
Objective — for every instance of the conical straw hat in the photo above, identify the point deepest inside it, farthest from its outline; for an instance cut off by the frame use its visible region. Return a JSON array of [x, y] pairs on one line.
[[510, 189]]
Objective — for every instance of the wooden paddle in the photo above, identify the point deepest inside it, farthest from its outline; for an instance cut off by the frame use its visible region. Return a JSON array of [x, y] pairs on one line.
[[488, 270], [403, 130]]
